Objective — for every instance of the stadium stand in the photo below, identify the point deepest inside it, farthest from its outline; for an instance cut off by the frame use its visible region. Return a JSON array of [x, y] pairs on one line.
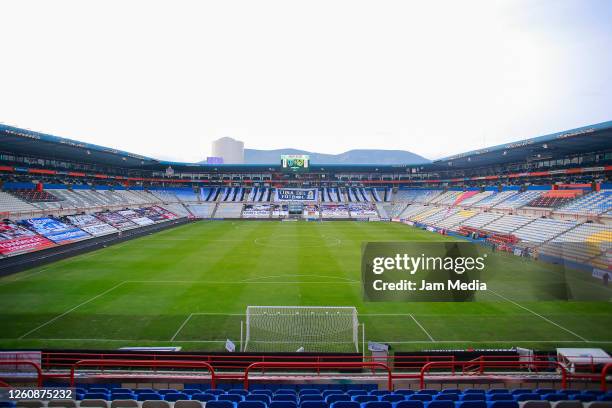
[[481, 219], [202, 210], [475, 199], [595, 203], [494, 199], [555, 198], [362, 210], [542, 230], [334, 211], [12, 204], [460, 217], [228, 210], [508, 223], [518, 200], [258, 211]]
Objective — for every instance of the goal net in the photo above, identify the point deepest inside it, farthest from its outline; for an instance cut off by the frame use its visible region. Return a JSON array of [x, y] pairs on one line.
[[301, 328]]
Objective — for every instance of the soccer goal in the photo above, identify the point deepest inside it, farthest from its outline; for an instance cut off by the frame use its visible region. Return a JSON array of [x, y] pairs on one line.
[[301, 328]]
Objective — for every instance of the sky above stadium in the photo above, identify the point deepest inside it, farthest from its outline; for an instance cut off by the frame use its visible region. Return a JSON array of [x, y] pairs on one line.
[[437, 78]]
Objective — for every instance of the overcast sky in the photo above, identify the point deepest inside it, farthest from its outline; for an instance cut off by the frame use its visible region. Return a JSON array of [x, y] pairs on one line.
[[164, 79]]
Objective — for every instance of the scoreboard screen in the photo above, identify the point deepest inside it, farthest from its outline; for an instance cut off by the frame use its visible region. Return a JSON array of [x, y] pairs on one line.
[[295, 161]]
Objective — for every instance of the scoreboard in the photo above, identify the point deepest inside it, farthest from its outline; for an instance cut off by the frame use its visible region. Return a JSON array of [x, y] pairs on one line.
[[295, 161]]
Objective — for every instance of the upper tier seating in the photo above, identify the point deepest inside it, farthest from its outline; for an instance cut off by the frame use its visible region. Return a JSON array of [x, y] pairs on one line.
[[414, 209], [595, 203], [495, 199], [430, 211], [508, 223], [166, 196], [518, 200], [228, 210], [542, 230]]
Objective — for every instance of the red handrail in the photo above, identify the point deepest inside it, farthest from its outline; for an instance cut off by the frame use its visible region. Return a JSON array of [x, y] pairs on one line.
[[318, 366], [499, 364], [604, 373], [39, 373], [145, 363]]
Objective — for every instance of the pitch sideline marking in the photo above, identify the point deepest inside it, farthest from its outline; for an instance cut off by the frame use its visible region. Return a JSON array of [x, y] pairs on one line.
[[252, 280], [422, 328], [72, 309], [539, 315], [181, 327]]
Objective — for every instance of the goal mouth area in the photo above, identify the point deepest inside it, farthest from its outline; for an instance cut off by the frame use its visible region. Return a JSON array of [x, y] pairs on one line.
[[323, 329]]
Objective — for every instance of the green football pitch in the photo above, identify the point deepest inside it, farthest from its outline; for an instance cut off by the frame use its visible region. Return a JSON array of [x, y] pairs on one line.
[[189, 286]]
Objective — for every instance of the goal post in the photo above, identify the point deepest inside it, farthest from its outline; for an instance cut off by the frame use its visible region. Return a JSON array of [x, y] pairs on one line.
[[323, 329]]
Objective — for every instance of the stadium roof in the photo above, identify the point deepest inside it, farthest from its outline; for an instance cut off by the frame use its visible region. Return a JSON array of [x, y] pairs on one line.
[[595, 137]]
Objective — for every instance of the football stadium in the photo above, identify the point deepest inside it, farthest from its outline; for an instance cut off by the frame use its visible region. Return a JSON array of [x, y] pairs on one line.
[[115, 258], [321, 204]]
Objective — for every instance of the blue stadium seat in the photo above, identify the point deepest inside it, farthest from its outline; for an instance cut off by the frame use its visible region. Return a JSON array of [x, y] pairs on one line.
[[283, 391], [451, 391], [309, 391], [252, 404], [472, 404], [376, 404], [283, 404], [500, 397], [497, 391], [99, 389], [380, 393], [168, 391], [214, 391], [152, 396], [97, 395], [518, 391], [345, 404], [238, 391], [420, 397], [330, 399], [409, 404], [311, 397], [221, 404], [314, 404], [543, 391], [191, 391], [605, 397], [364, 398], [503, 404], [329, 392], [446, 397], [404, 392], [7, 404], [230, 397], [357, 392], [554, 397], [258, 397], [527, 397], [473, 397], [122, 390], [474, 391], [393, 397], [139, 390], [430, 392], [122, 396], [269, 393], [284, 397], [175, 396], [441, 404], [203, 397]]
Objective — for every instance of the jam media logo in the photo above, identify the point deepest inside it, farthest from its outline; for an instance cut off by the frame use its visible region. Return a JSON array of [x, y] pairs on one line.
[[423, 271]]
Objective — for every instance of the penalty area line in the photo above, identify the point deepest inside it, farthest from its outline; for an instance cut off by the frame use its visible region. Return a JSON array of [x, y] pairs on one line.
[[71, 310], [422, 328], [181, 326], [539, 315]]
